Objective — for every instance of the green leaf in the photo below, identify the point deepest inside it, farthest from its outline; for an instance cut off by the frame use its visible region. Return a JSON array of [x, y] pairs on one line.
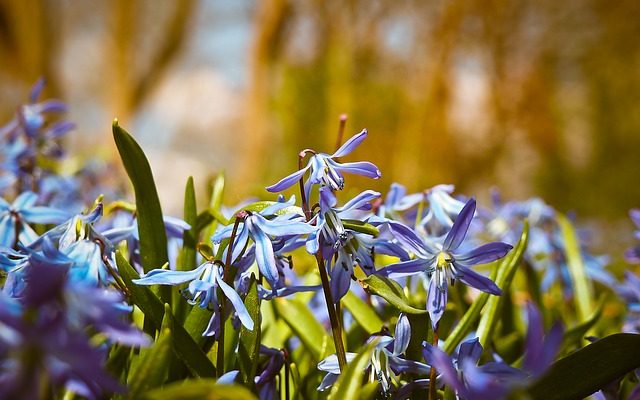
[[142, 296], [579, 277], [187, 259], [303, 323], [184, 345], [467, 322], [506, 271], [153, 238], [249, 346], [390, 291], [361, 227], [151, 369], [589, 369], [261, 205], [349, 384], [200, 389], [364, 315], [575, 336]]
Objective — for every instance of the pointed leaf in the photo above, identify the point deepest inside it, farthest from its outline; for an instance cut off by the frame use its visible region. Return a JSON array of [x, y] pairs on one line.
[[579, 277], [390, 291], [349, 384], [151, 370], [303, 323], [200, 389], [184, 345], [249, 346], [506, 271], [589, 369], [364, 314], [361, 227], [153, 238]]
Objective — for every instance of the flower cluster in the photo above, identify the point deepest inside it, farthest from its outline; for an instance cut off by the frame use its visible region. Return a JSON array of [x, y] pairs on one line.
[[375, 295]]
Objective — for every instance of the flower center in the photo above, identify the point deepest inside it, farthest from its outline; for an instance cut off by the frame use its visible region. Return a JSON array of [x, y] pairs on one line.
[[444, 259]]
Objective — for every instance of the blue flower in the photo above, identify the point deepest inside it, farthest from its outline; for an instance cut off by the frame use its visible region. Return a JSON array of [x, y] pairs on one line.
[[443, 262], [261, 230], [333, 240], [325, 170], [493, 380], [629, 291], [14, 218], [540, 348], [386, 361], [202, 290]]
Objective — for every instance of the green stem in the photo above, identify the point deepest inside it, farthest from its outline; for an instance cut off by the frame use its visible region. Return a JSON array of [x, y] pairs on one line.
[[336, 327], [227, 266]]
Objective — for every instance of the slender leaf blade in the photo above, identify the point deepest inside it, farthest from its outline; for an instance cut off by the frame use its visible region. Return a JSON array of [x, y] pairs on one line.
[[506, 271], [589, 369], [390, 291], [577, 272], [153, 238], [364, 315], [303, 323], [249, 345]]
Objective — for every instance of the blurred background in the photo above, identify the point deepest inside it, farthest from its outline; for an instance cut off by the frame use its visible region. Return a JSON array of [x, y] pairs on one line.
[[533, 97]]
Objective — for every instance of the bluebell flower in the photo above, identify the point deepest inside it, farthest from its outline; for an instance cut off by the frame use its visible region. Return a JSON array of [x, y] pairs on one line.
[[444, 262], [396, 204], [324, 169], [52, 342], [491, 381], [204, 282], [441, 208], [263, 228], [14, 219], [30, 137], [540, 348], [386, 362], [333, 240], [266, 379], [629, 291]]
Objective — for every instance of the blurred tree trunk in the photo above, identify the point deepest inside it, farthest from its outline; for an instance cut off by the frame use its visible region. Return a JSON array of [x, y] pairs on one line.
[[252, 146]]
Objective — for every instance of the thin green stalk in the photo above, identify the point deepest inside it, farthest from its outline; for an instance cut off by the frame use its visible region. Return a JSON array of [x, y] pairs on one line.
[[227, 266], [336, 327]]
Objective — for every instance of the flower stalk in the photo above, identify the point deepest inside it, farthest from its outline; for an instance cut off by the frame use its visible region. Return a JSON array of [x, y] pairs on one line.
[[336, 327]]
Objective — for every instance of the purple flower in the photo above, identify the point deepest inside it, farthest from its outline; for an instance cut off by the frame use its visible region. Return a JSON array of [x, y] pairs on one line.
[[204, 282], [14, 218], [44, 336], [325, 170], [540, 348], [333, 240], [444, 262], [261, 227], [490, 381], [386, 361]]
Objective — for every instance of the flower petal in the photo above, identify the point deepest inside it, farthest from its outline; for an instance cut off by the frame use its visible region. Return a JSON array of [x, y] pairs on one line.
[[402, 335], [235, 299], [340, 281], [460, 226], [44, 215], [169, 277], [436, 301], [279, 228], [474, 279], [362, 168], [265, 257], [287, 181], [485, 253], [470, 350], [350, 145], [404, 268]]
